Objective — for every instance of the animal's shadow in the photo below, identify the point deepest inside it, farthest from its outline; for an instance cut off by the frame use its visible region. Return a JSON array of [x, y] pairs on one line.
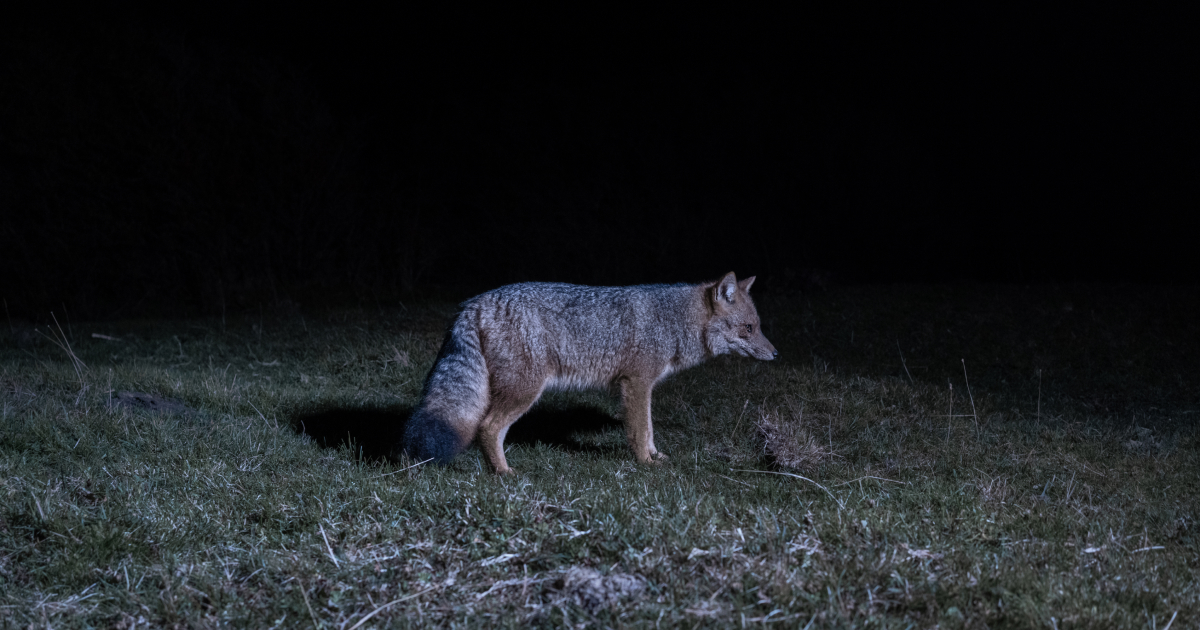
[[561, 427], [376, 433]]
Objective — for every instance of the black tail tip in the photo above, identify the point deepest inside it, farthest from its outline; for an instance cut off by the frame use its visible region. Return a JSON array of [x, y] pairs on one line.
[[428, 437]]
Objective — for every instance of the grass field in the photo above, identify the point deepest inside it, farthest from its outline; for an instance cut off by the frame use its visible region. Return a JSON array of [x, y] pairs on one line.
[[955, 456]]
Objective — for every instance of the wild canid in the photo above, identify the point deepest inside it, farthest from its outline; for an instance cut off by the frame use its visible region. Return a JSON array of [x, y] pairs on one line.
[[509, 345]]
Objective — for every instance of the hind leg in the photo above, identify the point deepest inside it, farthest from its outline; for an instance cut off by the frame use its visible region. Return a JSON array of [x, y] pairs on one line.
[[506, 408]]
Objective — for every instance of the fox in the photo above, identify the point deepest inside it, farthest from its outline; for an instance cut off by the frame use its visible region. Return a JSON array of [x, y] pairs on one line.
[[506, 347]]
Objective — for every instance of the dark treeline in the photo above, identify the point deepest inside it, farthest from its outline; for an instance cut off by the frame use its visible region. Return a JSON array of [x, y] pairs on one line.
[[144, 169], [157, 166]]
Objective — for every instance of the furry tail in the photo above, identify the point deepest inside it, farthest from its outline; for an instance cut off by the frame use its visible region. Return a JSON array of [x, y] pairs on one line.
[[428, 436], [453, 401]]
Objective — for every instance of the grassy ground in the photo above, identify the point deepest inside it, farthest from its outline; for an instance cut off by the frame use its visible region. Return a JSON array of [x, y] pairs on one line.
[[858, 481]]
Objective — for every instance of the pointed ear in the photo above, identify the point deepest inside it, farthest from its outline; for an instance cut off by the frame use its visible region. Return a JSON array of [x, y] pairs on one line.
[[745, 284], [727, 287]]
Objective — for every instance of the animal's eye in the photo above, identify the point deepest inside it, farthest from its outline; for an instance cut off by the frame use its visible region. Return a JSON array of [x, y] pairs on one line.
[[749, 327]]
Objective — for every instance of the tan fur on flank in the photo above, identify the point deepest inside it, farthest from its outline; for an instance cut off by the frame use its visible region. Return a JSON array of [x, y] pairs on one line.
[[509, 345]]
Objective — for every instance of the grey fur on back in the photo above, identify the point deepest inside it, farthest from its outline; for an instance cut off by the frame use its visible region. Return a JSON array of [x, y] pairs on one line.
[[587, 336]]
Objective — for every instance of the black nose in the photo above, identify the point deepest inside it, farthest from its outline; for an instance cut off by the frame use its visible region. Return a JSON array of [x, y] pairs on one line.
[[775, 355]]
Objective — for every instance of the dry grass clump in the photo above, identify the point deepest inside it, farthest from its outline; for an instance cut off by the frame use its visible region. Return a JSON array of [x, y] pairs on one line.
[[1144, 440], [994, 489], [592, 591], [789, 444]]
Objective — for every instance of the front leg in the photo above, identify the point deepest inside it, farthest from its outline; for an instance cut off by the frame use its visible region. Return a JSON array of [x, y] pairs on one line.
[[639, 431], [658, 456]]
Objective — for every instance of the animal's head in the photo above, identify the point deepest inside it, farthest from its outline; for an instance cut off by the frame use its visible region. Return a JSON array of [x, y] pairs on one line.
[[733, 324]]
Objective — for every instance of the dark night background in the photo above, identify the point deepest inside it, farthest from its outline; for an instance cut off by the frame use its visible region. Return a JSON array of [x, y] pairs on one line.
[[192, 160]]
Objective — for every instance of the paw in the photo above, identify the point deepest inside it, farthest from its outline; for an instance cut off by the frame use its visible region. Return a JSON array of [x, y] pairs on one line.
[[505, 472], [659, 457]]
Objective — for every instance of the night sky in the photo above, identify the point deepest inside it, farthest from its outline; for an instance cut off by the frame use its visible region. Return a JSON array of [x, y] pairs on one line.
[[194, 158]]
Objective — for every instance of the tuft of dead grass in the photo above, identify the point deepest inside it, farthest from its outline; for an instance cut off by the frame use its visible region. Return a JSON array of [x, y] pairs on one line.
[[1143, 440], [789, 444], [593, 591]]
